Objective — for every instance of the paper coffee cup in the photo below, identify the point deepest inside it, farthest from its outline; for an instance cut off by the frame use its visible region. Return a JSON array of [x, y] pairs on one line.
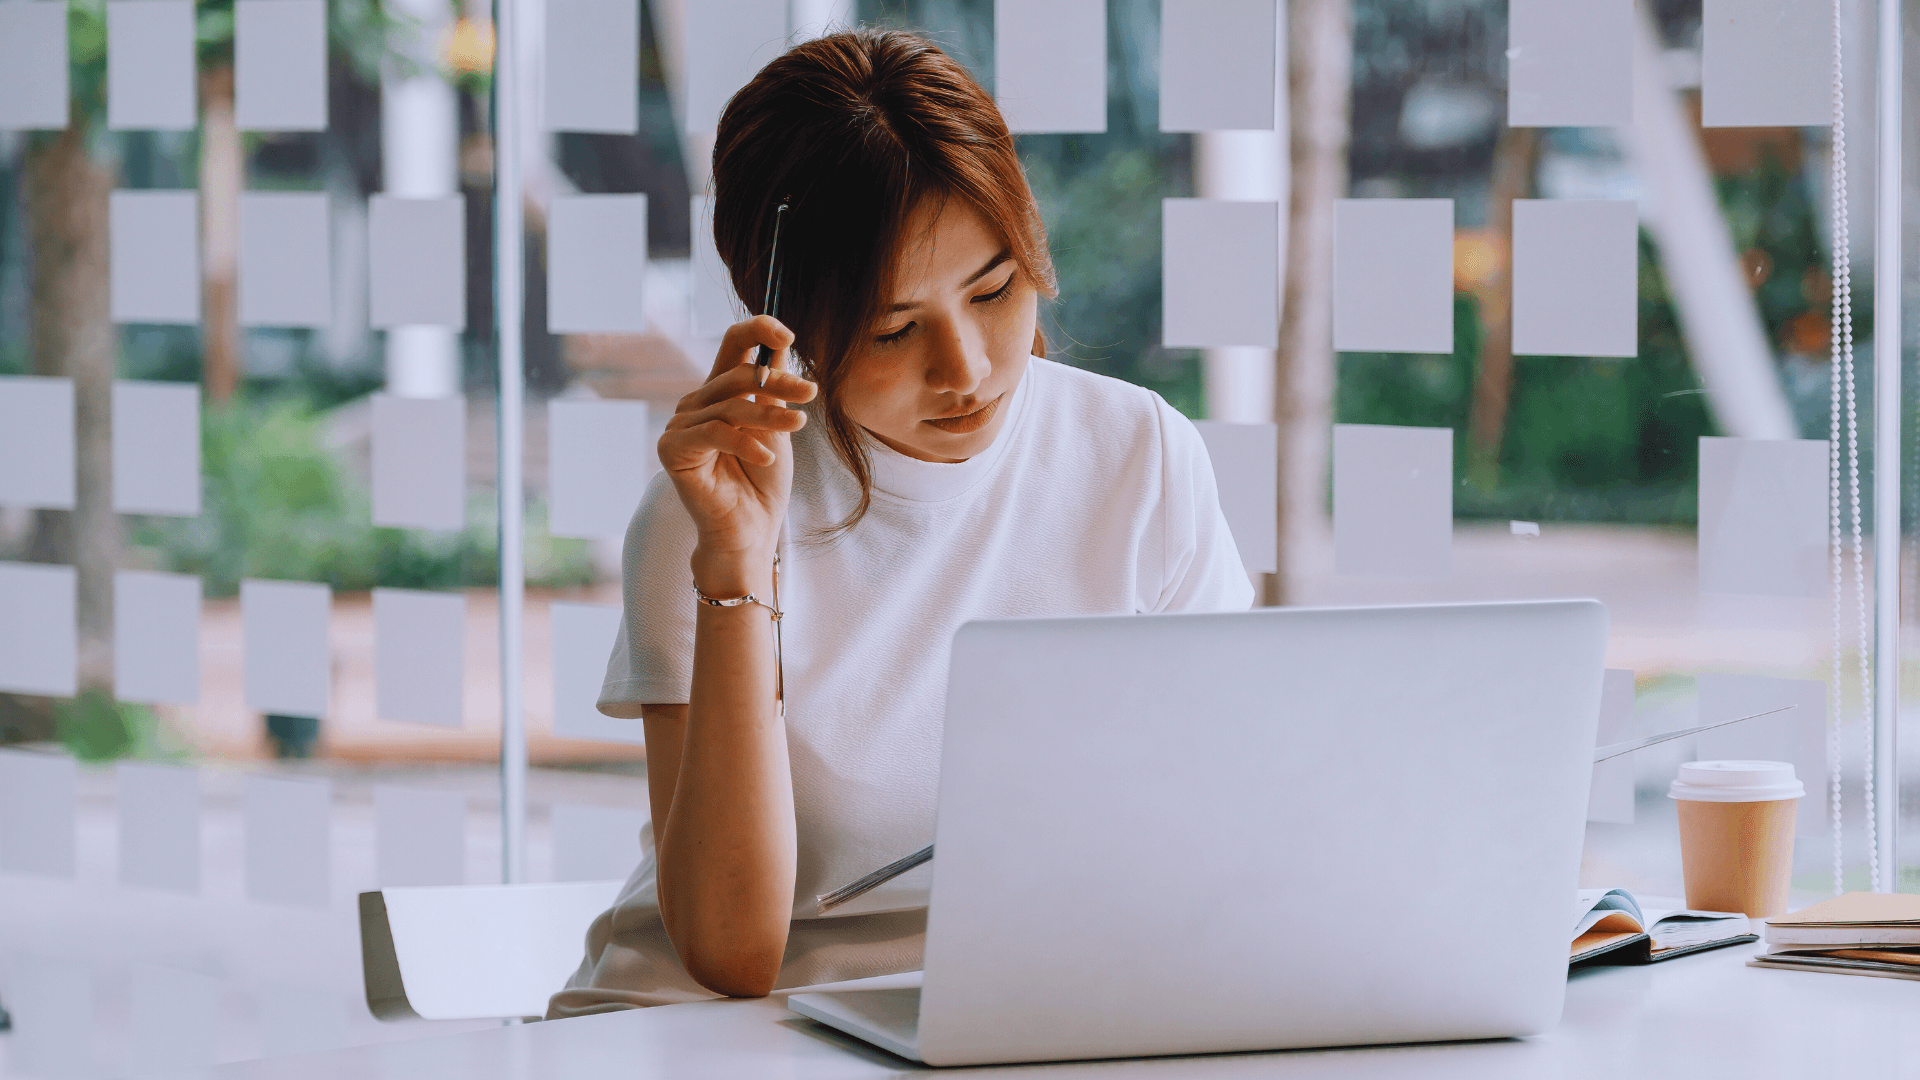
[[1736, 834]]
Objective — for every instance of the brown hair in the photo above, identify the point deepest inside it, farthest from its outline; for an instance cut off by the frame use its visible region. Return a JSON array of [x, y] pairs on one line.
[[854, 130]]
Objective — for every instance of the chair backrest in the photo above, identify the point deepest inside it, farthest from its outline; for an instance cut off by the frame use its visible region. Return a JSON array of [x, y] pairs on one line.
[[474, 952]]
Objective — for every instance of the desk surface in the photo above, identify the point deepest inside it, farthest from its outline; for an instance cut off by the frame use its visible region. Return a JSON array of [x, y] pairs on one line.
[[1695, 1017]]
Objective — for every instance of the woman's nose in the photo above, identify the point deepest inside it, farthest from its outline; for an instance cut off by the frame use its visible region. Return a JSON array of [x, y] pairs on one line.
[[957, 365]]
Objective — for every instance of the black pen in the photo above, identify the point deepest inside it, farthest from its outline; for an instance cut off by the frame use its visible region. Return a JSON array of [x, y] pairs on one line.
[[772, 304]]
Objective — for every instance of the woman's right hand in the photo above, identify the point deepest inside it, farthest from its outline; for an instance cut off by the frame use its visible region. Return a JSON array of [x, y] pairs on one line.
[[731, 458]]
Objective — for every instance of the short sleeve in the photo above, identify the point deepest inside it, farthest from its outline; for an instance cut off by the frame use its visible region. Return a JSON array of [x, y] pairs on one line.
[[1202, 570], [652, 661]]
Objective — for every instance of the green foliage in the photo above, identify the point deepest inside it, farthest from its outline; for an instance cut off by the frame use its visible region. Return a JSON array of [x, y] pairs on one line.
[[277, 504], [94, 727]]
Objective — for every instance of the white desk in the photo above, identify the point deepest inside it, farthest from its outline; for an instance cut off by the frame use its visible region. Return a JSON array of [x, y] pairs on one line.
[[1696, 1017]]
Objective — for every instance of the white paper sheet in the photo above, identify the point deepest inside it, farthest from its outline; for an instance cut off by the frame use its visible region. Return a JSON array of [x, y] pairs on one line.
[[422, 834], [39, 643], [159, 826], [419, 454], [288, 839], [1610, 796], [33, 65], [150, 65], [416, 260], [36, 442], [174, 1014], [728, 42], [1393, 275], [593, 66], [156, 445], [1392, 501], [1797, 736], [280, 65], [1217, 65], [1246, 468], [1763, 516], [154, 274], [156, 637], [420, 655], [38, 794], [595, 843], [1576, 277], [600, 455], [1220, 273], [596, 264], [1765, 63], [715, 307], [51, 999], [582, 640], [288, 665], [1050, 64], [1570, 63], [286, 257]]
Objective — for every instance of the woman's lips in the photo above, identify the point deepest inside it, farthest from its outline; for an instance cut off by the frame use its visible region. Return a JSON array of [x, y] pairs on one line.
[[970, 422]]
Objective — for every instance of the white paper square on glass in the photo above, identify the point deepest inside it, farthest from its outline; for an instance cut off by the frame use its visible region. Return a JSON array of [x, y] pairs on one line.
[[1050, 65], [416, 260], [288, 665], [593, 66], [33, 65], [1765, 63], [156, 445], [420, 462], [36, 442], [280, 65], [1246, 468], [1797, 736], [422, 836], [583, 636], [1392, 501], [1576, 277], [596, 264], [1763, 516], [1570, 63], [286, 257], [419, 648], [156, 637], [159, 826], [38, 796], [173, 1014], [150, 65], [39, 639], [1610, 797], [51, 1000], [715, 307], [595, 843], [154, 240], [1217, 65], [1220, 273], [728, 42], [1393, 275], [288, 839], [600, 455]]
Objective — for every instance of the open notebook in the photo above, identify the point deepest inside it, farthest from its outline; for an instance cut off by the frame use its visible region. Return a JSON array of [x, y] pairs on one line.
[[1610, 923]]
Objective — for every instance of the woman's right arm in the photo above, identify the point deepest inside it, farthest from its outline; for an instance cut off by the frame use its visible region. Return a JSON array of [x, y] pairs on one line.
[[720, 782]]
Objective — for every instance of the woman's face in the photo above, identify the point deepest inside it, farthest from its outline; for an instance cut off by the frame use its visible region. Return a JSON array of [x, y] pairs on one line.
[[934, 378]]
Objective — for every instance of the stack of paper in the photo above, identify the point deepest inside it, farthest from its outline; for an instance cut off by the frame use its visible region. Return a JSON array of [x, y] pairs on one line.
[[1856, 934], [1612, 923]]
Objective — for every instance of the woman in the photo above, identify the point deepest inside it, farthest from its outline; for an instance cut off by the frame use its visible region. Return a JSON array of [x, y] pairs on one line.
[[934, 472]]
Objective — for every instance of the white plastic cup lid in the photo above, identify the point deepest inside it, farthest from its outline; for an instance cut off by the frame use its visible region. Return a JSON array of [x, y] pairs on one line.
[[1736, 781]]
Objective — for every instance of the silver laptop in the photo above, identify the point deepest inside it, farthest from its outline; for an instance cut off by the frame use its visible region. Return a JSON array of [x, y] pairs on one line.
[[1184, 834]]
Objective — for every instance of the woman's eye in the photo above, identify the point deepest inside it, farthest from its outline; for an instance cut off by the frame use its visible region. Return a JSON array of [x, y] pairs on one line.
[[888, 339], [997, 294]]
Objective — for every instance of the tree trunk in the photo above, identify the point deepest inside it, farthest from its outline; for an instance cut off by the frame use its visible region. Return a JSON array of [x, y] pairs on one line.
[[221, 165], [1514, 158], [1319, 106], [74, 337]]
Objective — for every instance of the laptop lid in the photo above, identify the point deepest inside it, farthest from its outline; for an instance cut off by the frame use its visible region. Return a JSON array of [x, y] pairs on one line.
[[1278, 828]]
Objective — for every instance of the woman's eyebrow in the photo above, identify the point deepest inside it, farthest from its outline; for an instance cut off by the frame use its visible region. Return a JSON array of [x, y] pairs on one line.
[[1004, 255]]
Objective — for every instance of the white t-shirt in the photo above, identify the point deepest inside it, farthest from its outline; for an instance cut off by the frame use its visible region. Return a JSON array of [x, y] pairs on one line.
[[1096, 498]]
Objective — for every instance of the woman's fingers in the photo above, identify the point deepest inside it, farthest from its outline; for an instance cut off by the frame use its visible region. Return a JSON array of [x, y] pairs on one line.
[[741, 413], [689, 447], [745, 379], [743, 339]]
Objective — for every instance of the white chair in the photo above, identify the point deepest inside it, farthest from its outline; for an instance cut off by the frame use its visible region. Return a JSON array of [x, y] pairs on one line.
[[474, 952]]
